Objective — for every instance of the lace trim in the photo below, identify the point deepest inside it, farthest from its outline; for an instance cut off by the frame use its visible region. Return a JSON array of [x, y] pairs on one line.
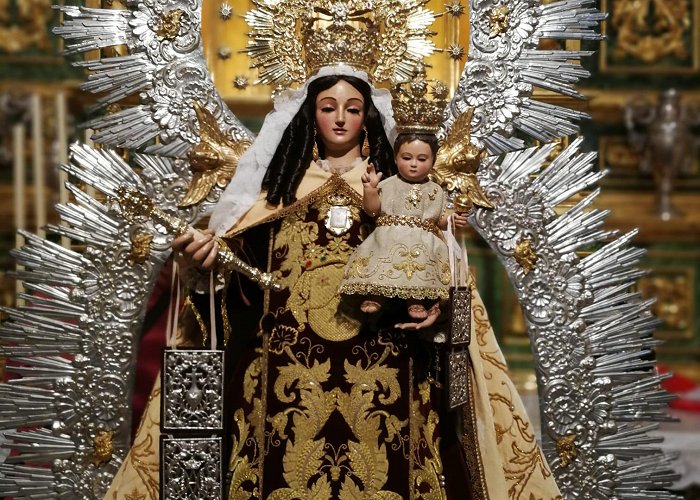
[[401, 292], [327, 166], [407, 220]]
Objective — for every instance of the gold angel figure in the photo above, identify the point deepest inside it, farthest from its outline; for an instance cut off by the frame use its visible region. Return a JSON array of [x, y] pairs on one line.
[[456, 165], [213, 160]]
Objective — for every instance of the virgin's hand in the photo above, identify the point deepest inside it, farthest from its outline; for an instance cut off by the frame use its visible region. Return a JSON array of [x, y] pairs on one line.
[[371, 178], [459, 219], [196, 249]]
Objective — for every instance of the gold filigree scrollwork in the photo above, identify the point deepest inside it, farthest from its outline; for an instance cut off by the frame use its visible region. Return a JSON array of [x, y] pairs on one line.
[[29, 28], [650, 30], [103, 447], [525, 255], [134, 495], [169, 25], [566, 449]]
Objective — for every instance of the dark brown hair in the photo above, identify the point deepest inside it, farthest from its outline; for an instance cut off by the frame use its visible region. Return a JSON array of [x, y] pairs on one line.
[[294, 152], [407, 137]]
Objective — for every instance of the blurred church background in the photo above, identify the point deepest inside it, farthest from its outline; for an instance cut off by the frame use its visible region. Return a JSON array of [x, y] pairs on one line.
[[646, 136]]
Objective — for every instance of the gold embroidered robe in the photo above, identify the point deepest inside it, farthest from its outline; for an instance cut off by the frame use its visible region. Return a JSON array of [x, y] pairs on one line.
[[320, 409]]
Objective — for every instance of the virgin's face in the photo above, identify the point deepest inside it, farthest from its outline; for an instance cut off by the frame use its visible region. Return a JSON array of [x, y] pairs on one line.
[[414, 160], [339, 117]]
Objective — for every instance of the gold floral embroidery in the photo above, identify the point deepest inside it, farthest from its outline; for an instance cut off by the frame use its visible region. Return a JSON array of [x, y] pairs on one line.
[[314, 299], [426, 474], [145, 450], [358, 268], [480, 323], [246, 471], [134, 495], [281, 337], [313, 273], [410, 265], [445, 274], [524, 459], [414, 197], [242, 470], [359, 467], [291, 239]]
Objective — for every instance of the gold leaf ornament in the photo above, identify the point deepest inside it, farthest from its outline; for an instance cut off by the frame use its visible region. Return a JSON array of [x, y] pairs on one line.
[[213, 160]]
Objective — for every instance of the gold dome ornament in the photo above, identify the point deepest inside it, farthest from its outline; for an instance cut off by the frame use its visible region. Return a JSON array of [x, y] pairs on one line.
[[291, 40]]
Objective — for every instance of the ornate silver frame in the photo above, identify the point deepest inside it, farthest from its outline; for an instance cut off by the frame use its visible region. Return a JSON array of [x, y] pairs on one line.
[[591, 336]]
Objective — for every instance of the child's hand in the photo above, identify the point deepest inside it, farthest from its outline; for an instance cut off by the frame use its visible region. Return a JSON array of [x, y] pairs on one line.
[[371, 178]]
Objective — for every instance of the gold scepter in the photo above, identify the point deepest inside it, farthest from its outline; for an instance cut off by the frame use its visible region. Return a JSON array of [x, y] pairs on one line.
[[134, 204]]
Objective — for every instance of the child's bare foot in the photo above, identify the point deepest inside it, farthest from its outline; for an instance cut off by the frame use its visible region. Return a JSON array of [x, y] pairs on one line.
[[416, 310], [370, 306]]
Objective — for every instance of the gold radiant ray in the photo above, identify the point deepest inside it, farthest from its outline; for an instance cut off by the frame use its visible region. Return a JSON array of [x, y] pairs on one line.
[[255, 99]]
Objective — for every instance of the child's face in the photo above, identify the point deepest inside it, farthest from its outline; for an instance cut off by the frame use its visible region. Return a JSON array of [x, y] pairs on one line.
[[414, 160]]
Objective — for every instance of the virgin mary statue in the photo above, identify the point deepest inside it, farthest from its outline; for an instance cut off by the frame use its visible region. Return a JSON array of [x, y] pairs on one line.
[[321, 403]]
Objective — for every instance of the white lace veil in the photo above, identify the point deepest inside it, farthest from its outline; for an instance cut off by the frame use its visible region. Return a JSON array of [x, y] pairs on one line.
[[245, 187]]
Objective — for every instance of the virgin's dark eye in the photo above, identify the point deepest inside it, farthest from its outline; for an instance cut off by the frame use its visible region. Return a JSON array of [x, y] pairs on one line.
[[327, 109], [354, 111]]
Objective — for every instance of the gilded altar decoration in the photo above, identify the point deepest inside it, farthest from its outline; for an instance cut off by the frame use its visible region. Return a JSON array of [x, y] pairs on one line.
[[566, 448], [103, 447], [662, 134], [140, 250], [498, 20], [456, 51], [388, 38], [225, 11], [213, 160], [673, 291], [650, 30], [241, 82], [169, 26], [454, 8], [525, 255], [28, 29]]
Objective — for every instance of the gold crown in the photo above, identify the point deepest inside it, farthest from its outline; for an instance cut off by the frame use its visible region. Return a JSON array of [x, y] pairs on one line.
[[292, 39], [419, 104], [340, 33]]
